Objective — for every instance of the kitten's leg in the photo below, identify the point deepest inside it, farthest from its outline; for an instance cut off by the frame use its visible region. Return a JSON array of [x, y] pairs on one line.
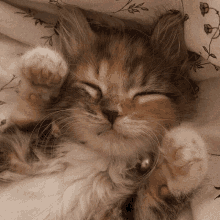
[[182, 166], [186, 159], [42, 74], [43, 71]]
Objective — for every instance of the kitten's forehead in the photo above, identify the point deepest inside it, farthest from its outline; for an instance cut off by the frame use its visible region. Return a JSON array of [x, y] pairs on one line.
[[103, 75], [112, 79], [119, 67]]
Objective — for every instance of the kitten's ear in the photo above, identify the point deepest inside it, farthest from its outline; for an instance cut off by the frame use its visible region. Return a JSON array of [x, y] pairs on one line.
[[168, 37], [74, 31]]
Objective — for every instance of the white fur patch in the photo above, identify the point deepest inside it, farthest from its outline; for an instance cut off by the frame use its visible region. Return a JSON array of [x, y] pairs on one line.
[[148, 98], [103, 70]]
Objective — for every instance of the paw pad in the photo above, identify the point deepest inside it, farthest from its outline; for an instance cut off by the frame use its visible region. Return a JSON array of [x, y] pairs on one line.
[[43, 71]]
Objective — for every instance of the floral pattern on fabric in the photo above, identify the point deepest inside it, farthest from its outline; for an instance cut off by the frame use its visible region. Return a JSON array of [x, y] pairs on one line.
[[133, 8], [208, 28], [44, 33], [48, 39]]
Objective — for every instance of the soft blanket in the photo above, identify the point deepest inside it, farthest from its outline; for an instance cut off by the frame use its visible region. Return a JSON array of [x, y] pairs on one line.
[[27, 23]]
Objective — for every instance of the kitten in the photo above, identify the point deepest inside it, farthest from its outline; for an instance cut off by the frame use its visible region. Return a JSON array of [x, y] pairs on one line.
[[115, 99]]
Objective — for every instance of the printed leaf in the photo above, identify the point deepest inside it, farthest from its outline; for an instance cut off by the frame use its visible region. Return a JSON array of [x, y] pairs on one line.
[[45, 37], [19, 12], [2, 103], [216, 68], [130, 11], [186, 17], [49, 26], [58, 23], [51, 42], [144, 9], [138, 6], [213, 56], [174, 11], [215, 155], [217, 197], [199, 66], [216, 187], [136, 10], [131, 6], [205, 49], [195, 68], [56, 31]]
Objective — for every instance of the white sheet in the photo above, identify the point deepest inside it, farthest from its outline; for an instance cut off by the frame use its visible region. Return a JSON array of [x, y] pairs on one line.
[[27, 31]]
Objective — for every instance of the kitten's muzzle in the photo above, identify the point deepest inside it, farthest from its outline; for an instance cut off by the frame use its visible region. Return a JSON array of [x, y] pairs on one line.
[[111, 115]]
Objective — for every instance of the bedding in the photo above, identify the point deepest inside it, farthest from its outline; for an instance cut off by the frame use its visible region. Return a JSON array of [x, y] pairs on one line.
[[28, 23]]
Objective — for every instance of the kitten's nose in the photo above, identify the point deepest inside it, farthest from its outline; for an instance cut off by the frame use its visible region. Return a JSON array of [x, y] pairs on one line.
[[110, 115]]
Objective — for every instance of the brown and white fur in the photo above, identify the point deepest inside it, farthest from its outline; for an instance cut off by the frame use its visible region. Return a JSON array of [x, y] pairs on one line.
[[114, 98]]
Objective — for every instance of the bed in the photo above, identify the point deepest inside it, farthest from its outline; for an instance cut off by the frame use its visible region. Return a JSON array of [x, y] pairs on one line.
[[27, 23]]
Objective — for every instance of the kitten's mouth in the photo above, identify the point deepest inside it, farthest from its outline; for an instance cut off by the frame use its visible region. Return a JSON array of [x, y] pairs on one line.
[[108, 128], [111, 132], [106, 131]]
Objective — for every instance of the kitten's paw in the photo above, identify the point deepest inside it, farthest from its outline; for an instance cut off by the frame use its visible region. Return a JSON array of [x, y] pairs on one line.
[[43, 66], [43, 72], [186, 159]]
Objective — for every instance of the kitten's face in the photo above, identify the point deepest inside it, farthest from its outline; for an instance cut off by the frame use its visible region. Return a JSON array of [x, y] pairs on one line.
[[124, 87], [119, 103]]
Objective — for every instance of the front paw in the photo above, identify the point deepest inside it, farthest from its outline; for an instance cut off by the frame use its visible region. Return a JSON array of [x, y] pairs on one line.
[[185, 159], [43, 71]]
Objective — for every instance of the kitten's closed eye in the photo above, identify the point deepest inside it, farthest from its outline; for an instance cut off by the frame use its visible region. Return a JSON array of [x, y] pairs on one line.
[[154, 95], [91, 89], [143, 97], [144, 93]]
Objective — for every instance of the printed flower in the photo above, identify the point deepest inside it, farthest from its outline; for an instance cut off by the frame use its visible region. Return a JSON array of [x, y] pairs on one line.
[[204, 8], [208, 28], [186, 17]]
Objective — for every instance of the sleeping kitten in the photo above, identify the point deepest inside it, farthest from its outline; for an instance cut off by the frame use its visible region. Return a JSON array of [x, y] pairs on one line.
[[115, 99]]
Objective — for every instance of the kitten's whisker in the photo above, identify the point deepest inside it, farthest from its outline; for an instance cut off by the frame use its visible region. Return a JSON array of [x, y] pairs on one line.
[[153, 136], [40, 124]]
